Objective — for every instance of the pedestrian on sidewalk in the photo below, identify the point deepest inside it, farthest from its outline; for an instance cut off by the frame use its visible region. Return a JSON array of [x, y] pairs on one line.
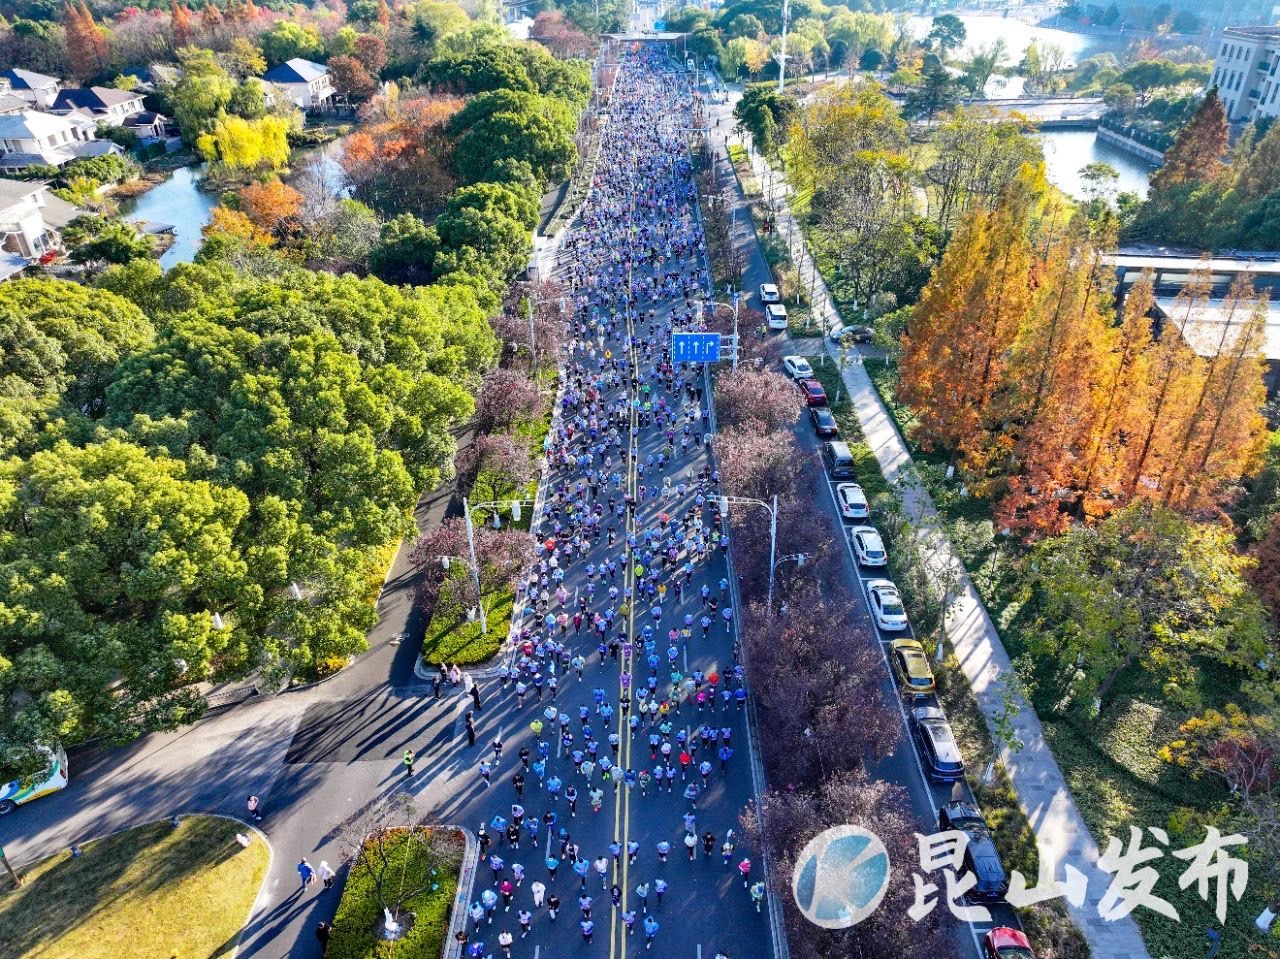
[[553, 906], [255, 808], [471, 729], [323, 929], [642, 893], [306, 874], [326, 874], [650, 930], [539, 893], [744, 870], [407, 759]]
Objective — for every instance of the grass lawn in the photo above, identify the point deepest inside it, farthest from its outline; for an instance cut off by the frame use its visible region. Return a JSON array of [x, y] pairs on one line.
[[153, 892], [408, 866], [452, 639]]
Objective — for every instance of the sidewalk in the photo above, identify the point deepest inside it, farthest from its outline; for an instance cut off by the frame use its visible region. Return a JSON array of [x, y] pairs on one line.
[[1060, 831]]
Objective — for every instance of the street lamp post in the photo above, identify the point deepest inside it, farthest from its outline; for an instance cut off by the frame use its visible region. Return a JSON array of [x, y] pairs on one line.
[[737, 300], [799, 558], [467, 507], [726, 501]]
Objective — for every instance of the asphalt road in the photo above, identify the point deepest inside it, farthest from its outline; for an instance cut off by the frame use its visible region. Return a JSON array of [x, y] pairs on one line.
[[903, 766]]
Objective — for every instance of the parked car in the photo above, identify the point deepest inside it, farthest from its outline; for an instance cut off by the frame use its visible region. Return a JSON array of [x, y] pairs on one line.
[[858, 334], [838, 459], [769, 293], [853, 501], [911, 667], [939, 751], [824, 422], [776, 314], [814, 394], [980, 856], [868, 547], [797, 367], [886, 605], [1005, 943]]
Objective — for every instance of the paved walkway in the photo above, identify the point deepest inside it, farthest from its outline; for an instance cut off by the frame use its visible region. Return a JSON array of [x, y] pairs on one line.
[[1061, 833]]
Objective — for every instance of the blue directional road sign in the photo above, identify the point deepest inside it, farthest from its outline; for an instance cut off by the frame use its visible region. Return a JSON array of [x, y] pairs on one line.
[[695, 347]]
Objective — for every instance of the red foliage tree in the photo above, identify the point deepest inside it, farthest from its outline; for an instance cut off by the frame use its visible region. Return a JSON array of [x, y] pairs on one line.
[[87, 52], [763, 395], [506, 397], [181, 28]]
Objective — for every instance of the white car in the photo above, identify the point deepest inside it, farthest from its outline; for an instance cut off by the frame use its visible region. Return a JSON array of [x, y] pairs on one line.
[[886, 605], [867, 546], [769, 293], [853, 501], [797, 367], [776, 314]]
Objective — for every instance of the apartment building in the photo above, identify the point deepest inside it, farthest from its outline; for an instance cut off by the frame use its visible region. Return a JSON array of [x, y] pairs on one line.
[[1245, 72]]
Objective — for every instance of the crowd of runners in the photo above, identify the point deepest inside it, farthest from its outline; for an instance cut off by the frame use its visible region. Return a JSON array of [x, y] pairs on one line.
[[623, 705]]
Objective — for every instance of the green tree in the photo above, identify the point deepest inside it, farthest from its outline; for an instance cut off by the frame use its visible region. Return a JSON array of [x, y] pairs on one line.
[[114, 562], [201, 95], [501, 125], [59, 343], [96, 240], [287, 39], [947, 33], [1146, 588], [766, 114]]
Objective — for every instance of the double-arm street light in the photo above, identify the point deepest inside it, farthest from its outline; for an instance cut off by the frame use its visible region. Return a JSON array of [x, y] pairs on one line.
[[467, 506], [737, 300], [727, 501]]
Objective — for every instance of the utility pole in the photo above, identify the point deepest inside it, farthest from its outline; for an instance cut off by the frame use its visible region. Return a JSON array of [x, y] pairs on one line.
[[782, 50]]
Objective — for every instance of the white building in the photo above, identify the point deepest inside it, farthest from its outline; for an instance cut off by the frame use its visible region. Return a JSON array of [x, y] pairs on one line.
[[305, 84], [37, 89], [104, 104], [30, 223], [1245, 73], [32, 139]]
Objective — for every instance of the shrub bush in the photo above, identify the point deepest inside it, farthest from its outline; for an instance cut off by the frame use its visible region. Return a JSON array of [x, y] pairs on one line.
[[359, 914]]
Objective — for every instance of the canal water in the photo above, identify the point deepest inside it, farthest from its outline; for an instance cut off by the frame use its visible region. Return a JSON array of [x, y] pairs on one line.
[[180, 202], [1065, 151]]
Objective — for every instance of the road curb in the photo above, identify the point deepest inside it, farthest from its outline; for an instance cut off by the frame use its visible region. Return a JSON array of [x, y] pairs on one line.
[[466, 882]]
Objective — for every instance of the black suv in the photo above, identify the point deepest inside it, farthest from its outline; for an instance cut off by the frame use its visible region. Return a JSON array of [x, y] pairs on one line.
[[980, 856]]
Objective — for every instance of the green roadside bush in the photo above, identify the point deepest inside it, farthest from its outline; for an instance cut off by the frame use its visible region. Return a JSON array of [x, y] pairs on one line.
[[359, 917]]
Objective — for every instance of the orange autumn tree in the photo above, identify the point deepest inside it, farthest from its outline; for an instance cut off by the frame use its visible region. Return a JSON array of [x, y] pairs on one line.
[[963, 328], [272, 206], [181, 27], [87, 51], [400, 160], [1049, 401], [1224, 427], [1123, 387]]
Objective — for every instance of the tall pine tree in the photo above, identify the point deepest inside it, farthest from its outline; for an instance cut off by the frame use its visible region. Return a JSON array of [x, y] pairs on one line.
[[180, 25], [1198, 148], [965, 323], [87, 53]]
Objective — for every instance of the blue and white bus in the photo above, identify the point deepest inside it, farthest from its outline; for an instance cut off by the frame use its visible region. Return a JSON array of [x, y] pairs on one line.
[[13, 793]]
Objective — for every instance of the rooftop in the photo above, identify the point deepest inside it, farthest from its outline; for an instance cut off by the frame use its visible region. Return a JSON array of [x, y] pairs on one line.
[[1213, 325], [296, 70], [30, 124], [1268, 264], [94, 98], [13, 191], [1262, 32], [26, 79]]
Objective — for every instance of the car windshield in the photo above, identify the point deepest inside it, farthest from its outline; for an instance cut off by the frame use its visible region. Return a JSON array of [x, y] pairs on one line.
[[1016, 952]]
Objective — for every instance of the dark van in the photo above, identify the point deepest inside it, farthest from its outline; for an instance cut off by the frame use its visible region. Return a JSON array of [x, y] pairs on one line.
[[838, 460]]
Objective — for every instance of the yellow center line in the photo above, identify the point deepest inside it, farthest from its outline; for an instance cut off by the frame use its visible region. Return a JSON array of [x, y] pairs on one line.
[[622, 808]]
